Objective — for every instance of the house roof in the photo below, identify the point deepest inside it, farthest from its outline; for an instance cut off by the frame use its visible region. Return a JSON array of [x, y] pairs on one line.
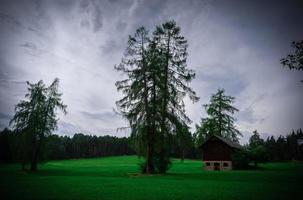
[[226, 141]]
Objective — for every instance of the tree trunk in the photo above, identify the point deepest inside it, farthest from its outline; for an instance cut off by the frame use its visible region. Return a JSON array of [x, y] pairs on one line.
[[182, 155], [34, 165], [149, 159], [34, 159]]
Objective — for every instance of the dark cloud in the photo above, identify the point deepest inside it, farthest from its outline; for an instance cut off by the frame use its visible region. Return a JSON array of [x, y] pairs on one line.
[[5, 116], [69, 129], [9, 19], [111, 46], [105, 116], [121, 26], [94, 13], [226, 77], [29, 45], [97, 18]]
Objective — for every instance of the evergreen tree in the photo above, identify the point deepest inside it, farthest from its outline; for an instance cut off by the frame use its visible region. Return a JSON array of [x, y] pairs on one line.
[[157, 81], [173, 76], [220, 120], [35, 118], [255, 140], [184, 141]]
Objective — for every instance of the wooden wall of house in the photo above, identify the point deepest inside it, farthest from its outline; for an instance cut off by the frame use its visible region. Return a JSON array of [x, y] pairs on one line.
[[216, 150]]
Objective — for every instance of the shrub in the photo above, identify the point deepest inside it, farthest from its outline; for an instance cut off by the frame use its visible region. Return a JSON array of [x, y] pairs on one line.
[[258, 154], [240, 160]]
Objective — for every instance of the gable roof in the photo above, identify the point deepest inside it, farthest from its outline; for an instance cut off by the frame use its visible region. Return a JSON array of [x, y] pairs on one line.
[[226, 141]]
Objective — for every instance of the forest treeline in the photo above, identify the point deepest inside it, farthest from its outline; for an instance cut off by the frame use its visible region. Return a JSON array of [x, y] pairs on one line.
[[283, 148], [64, 147]]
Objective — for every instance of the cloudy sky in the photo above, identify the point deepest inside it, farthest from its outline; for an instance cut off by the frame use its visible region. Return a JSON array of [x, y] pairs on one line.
[[235, 45]]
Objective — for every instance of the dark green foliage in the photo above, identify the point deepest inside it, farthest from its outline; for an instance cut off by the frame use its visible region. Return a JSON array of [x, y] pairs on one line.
[[183, 143], [285, 148], [241, 159], [63, 147], [255, 140], [257, 150], [157, 81], [35, 119], [220, 120], [258, 154], [295, 60]]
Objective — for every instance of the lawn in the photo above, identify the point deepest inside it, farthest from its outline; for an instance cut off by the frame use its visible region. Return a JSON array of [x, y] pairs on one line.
[[118, 178]]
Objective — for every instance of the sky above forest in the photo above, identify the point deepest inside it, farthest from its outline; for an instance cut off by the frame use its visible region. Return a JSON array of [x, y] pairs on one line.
[[235, 45]]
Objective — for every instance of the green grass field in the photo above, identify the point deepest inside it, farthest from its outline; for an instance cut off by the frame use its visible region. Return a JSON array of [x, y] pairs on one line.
[[118, 178]]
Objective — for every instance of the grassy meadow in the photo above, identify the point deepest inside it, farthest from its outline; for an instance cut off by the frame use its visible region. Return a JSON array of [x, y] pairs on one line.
[[118, 178]]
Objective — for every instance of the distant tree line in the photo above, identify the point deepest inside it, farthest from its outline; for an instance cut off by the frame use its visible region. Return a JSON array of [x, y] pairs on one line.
[[64, 147], [258, 150], [284, 148]]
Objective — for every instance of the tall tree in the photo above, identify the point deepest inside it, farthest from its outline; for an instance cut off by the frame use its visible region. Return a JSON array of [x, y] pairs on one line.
[[135, 105], [157, 81], [174, 76], [220, 120], [36, 118]]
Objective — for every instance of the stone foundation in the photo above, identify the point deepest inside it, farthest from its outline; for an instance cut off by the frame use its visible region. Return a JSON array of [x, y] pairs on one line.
[[218, 165]]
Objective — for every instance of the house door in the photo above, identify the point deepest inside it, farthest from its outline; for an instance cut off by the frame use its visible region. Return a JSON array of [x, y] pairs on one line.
[[216, 166]]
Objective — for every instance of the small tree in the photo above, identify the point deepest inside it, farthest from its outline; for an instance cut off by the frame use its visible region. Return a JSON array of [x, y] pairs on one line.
[[258, 154], [240, 159], [35, 118], [257, 150], [220, 120], [255, 140]]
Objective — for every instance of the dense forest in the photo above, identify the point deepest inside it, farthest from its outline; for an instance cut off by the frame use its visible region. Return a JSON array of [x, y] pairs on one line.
[[64, 147], [283, 148]]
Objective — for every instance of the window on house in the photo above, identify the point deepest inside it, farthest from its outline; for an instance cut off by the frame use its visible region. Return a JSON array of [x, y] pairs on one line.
[[207, 164], [216, 166], [225, 164]]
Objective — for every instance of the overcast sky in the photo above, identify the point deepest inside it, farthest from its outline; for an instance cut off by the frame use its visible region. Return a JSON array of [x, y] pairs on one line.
[[234, 45]]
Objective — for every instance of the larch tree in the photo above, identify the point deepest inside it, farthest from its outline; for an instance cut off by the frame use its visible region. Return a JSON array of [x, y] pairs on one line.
[[220, 120], [35, 118], [174, 77], [135, 105], [157, 81]]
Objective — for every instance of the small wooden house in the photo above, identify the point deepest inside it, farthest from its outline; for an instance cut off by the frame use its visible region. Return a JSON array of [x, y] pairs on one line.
[[217, 153]]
